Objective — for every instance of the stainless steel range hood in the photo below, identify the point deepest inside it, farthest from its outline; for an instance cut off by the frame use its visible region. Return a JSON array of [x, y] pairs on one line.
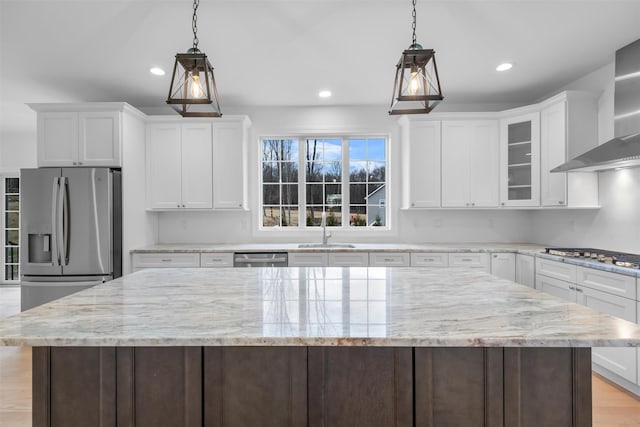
[[624, 150]]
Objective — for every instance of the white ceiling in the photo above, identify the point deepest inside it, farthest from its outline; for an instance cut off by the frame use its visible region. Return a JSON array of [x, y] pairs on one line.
[[282, 52]]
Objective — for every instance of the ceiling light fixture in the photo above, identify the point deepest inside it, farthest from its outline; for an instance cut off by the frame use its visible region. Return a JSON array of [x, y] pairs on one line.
[[157, 71], [193, 91], [416, 89], [504, 66], [324, 93]]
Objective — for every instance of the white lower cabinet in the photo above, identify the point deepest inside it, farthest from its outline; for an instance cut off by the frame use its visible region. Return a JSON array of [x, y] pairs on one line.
[[165, 260], [601, 291], [525, 270], [470, 259], [621, 361], [429, 259], [503, 265], [308, 259], [216, 259], [389, 259], [348, 259], [556, 287]]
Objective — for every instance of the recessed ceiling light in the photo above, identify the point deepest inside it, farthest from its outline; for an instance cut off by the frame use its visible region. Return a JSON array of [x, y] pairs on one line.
[[157, 71], [504, 66], [324, 93]]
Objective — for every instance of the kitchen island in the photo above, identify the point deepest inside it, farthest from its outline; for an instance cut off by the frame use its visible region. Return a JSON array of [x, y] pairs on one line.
[[313, 346]]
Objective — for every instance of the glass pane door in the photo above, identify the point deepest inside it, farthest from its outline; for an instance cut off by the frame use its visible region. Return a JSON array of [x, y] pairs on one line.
[[519, 161], [11, 232]]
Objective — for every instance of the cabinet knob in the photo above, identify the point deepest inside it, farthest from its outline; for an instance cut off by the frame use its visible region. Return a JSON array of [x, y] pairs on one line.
[[413, 204], [502, 203], [75, 163], [79, 163], [178, 205], [183, 206], [561, 202], [495, 255], [473, 204]]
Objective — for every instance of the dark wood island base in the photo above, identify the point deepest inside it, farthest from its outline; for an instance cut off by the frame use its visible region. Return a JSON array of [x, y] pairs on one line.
[[315, 386]]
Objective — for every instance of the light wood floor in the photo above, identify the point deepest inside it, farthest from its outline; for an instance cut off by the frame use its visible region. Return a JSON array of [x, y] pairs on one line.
[[612, 407]]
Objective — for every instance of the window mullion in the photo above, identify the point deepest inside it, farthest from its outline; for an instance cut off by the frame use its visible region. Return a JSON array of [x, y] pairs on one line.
[[302, 183], [346, 200]]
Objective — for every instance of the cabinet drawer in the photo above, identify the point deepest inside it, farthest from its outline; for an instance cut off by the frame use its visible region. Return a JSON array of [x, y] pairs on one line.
[[556, 287], [429, 260], [474, 260], [558, 270], [388, 259], [349, 259], [216, 260], [166, 260], [302, 259], [612, 283]]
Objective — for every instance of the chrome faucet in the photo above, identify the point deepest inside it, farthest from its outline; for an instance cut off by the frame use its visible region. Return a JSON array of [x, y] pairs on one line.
[[323, 224]]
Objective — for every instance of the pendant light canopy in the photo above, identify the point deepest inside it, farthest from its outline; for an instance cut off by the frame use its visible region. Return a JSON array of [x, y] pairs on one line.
[[193, 91], [416, 89]]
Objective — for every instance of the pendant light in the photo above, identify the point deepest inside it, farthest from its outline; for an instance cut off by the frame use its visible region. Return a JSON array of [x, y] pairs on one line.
[[416, 89], [193, 91]]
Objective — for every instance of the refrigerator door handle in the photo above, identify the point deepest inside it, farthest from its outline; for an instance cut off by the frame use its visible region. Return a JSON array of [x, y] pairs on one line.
[[65, 211], [54, 220], [59, 222]]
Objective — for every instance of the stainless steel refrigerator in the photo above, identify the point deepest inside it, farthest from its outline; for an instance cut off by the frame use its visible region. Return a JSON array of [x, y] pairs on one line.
[[71, 231]]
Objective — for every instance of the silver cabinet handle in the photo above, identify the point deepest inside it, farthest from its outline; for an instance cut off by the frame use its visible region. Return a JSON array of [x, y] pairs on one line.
[[579, 290], [561, 202], [467, 259], [388, 260], [495, 255], [573, 288], [165, 260]]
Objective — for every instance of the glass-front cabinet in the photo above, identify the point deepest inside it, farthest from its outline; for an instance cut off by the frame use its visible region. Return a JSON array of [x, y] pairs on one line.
[[520, 160]]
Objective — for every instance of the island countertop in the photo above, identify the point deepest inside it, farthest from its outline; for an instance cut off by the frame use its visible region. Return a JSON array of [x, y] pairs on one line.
[[331, 306]]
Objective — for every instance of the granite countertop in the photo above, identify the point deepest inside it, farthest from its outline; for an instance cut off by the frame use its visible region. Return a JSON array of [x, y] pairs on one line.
[[358, 247], [374, 306]]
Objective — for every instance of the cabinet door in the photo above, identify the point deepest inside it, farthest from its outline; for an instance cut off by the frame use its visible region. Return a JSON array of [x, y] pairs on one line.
[[553, 143], [504, 265], [456, 142], [302, 259], [57, 139], [559, 288], [621, 361], [484, 164], [473, 260], [388, 259], [348, 259], [99, 139], [520, 161], [423, 160], [429, 259], [558, 270], [228, 165], [611, 283], [197, 184], [525, 270], [163, 166]]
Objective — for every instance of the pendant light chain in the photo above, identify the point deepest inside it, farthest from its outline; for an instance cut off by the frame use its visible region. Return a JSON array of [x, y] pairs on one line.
[[194, 24], [414, 23]]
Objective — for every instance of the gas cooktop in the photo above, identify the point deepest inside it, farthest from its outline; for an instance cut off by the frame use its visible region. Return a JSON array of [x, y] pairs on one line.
[[598, 255]]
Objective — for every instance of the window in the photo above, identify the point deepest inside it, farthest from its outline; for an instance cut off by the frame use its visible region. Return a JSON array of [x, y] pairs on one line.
[[343, 177], [11, 232]]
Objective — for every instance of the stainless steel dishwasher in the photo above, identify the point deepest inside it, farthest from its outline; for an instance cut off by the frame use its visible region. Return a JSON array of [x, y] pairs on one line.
[[260, 259]]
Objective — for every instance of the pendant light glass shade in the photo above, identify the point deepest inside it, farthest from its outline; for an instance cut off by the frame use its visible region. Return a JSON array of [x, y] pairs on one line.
[[193, 91], [416, 89]]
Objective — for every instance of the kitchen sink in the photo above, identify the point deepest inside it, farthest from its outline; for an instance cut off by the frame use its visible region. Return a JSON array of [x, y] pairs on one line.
[[326, 245]]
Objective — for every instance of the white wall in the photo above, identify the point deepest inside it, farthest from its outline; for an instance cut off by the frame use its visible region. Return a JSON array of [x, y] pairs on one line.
[[616, 225], [420, 226]]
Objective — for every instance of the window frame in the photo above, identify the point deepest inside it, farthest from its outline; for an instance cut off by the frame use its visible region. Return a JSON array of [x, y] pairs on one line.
[[345, 226], [3, 227]]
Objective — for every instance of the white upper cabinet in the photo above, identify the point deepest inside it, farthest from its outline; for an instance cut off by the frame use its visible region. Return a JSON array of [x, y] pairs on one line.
[[421, 163], [470, 163], [69, 136], [520, 160], [568, 127], [179, 165], [230, 162]]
